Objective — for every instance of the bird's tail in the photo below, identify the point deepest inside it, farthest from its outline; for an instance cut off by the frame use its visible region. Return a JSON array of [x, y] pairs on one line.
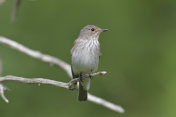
[[82, 93]]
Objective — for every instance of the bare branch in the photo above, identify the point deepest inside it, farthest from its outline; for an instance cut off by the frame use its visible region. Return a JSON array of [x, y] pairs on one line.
[[10, 78], [0, 67], [2, 89], [2, 1], [36, 54], [15, 10], [34, 81], [105, 103], [55, 61]]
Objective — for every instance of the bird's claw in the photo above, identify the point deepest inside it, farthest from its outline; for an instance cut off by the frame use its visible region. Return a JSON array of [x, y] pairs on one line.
[[90, 76]]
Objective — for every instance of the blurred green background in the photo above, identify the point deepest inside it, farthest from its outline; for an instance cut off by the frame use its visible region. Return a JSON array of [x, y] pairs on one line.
[[139, 53]]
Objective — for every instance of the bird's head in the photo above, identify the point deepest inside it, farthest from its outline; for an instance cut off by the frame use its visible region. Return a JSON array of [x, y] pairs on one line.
[[91, 31]]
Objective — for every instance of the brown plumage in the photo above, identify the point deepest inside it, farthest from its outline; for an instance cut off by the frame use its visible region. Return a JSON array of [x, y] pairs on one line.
[[85, 57]]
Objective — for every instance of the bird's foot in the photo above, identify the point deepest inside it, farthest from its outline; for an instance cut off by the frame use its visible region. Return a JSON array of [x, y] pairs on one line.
[[90, 76], [72, 85]]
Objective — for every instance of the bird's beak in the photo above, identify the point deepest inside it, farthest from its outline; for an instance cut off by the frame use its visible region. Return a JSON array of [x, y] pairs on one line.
[[104, 30]]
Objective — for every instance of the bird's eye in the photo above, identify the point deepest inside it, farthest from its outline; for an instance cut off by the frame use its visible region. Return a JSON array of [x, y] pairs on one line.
[[92, 29]]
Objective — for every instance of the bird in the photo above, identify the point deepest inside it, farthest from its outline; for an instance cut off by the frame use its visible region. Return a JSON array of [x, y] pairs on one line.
[[85, 55]]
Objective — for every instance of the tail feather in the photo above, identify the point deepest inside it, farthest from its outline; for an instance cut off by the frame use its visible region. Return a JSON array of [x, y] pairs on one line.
[[82, 93]]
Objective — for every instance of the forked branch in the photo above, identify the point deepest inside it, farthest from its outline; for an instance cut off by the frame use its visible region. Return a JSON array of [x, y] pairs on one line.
[[51, 60]]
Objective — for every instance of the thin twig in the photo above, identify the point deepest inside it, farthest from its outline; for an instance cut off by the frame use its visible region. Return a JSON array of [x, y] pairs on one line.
[[2, 89], [2, 1], [0, 67], [63, 65], [15, 10], [33, 81]]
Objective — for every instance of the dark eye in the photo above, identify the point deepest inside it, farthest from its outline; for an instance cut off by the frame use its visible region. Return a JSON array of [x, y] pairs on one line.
[[92, 29]]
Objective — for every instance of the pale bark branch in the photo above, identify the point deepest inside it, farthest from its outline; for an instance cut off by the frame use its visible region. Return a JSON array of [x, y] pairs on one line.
[[2, 89], [55, 61], [36, 54], [105, 103]]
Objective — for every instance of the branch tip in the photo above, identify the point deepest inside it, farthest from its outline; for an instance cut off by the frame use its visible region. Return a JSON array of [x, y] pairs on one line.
[[103, 73], [2, 89]]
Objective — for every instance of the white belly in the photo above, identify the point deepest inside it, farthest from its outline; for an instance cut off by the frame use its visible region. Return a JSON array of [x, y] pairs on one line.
[[85, 59], [84, 62]]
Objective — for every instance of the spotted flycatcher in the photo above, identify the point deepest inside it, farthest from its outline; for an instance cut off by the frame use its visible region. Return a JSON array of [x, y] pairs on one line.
[[85, 57]]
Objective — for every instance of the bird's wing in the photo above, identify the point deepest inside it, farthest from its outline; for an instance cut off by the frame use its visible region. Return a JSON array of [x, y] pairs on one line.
[[74, 75]]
